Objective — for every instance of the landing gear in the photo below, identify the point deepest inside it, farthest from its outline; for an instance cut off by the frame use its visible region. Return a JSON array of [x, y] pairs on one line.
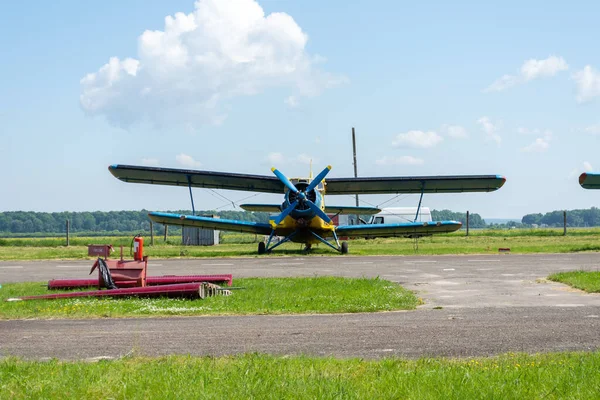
[[344, 248], [308, 247], [261, 247]]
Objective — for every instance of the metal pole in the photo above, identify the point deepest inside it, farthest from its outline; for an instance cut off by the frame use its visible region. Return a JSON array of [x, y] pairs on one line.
[[67, 233], [355, 169], [565, 223], [166, 231], [151, 234], [467, 223]]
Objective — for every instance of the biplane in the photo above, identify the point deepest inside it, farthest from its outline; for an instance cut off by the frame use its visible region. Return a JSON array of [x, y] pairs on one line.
[[303, 216], [590, 180]]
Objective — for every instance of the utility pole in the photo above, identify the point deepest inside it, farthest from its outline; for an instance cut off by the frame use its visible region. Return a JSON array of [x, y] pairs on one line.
[[355, 169], [467, 222]]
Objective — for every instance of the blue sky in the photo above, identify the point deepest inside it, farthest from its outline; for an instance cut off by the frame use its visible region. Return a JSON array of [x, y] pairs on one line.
[[432, 88]]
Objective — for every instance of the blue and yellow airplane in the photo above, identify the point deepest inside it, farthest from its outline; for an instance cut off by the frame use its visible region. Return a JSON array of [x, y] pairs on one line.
[[303, 216]]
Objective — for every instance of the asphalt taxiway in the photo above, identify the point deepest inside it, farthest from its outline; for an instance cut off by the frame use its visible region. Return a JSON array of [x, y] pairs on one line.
[[473, 305]]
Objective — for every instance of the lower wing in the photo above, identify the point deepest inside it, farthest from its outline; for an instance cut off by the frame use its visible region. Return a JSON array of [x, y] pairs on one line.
[[405, 229], [211, 223]]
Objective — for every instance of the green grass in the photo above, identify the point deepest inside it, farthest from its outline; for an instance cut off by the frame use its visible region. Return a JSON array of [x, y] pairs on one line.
[[243, 245], [584, 280], [262, 296], [258, 376]]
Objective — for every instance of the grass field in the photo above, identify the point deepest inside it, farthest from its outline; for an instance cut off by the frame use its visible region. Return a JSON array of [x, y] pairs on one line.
[[584, 280], [236, 245], [257, 376], [260, 296]]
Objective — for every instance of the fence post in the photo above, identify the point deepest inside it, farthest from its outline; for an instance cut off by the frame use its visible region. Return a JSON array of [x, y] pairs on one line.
[[151, 234], [565, 223], [467, 223], [67, 233], [166, 231]]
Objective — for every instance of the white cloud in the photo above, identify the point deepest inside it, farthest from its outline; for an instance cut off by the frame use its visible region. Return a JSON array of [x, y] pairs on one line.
[[306, 159], [187, 161], [417, 139], [490, 129], [546, 134], [455, 131], [275, 158], [587, 167], [588, 84], [539, 145], [291, 102], [402, 160], [150, 162], [186, 72], [530, 70], [592, 129]]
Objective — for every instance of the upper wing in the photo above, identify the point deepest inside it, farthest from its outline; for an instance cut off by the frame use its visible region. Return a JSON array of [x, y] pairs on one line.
[[328, 209], [404, 229], [589, 180], [415, 184], [204, 179], [211, 223]]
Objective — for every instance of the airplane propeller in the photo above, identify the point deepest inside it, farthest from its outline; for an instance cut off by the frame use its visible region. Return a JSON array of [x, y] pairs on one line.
[[301, 195]]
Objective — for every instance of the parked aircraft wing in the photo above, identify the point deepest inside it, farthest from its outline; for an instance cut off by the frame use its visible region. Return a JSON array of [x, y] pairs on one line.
[[415, 184], [404, 229], [211, 223], [203, 179], [589, 180]]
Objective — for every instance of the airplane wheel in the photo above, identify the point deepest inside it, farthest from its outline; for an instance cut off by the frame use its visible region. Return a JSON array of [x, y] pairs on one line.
[[261, 247], [344, 247]]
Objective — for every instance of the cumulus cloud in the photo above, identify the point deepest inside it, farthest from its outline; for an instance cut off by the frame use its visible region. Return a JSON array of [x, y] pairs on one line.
[[588, 84], [402, 160], [490, 129], [455, 131], [275, 158], [186, 72], [530, 70], [150, 162], [291, 102], [592, 129], [417, 139], [538, 146], [187, 161]]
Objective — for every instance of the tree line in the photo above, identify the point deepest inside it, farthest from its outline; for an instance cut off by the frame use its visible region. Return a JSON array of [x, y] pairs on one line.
[[575, 218], [29, 222]]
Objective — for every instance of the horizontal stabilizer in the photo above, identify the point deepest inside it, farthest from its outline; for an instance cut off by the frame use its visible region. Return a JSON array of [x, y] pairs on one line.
[[271, 208], [403, 229], [415, 184], [211, 223], [351, 210], [193, 178], [589, 180]]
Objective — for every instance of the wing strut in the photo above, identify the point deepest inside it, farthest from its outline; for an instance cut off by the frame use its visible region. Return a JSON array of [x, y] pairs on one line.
[[420, 199], [189, 179]]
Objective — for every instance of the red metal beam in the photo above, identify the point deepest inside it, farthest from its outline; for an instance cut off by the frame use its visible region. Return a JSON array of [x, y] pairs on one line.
[[188, 290], [150, 281]]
